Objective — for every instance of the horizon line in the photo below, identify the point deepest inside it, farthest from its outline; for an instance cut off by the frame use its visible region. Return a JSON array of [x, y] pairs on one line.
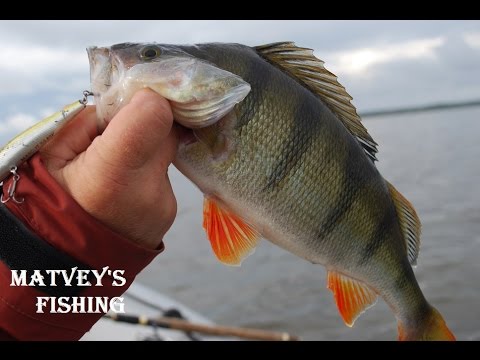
[[419, 108]]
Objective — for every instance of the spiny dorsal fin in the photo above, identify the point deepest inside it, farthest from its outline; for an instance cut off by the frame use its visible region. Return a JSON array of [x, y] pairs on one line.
[[301, 64], [352, 296], [409, 223]]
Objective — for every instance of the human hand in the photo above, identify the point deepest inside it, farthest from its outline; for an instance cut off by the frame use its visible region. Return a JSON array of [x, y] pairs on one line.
[[120, 177]]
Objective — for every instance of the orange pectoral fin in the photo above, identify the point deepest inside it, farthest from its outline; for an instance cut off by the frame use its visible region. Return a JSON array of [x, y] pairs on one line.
[[231, 238], [351, 296]]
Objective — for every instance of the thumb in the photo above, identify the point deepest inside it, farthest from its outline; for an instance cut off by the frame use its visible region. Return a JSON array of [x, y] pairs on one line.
[[134, 135]]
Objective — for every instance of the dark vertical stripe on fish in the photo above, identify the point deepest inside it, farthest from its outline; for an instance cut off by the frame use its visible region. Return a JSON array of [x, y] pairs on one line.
[[306, 127], [353, 182], [260, 80], [382, 232]]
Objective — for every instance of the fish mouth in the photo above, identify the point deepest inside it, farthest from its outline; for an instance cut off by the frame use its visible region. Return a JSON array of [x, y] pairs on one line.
[[104, 73], [100, 69]]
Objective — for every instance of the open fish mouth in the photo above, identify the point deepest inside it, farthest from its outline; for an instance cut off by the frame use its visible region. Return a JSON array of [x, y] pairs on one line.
[[104, 74], [100, 69]]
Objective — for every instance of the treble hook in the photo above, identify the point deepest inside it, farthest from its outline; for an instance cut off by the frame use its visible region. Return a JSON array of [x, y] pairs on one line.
[[12, 188], [86, 94]]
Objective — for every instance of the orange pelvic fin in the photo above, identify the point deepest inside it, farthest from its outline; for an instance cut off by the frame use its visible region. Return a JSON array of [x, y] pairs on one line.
[[351, 296], [231, 238]]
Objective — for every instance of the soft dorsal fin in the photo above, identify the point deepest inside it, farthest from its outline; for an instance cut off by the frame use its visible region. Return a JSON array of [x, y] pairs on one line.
[[409, 223], [231, 238], [352, 297], [301, 64]]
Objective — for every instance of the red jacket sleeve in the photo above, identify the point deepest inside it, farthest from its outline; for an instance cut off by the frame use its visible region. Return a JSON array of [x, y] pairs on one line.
[[57, 219]]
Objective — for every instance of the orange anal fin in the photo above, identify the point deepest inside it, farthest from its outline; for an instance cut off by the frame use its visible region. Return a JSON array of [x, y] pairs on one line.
[[231, 238], [351, 296]]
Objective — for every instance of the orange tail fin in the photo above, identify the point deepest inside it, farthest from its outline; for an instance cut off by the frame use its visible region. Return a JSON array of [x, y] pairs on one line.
[[431, 328]]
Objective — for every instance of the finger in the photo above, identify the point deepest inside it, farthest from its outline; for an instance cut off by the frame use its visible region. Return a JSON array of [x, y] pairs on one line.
[[165, 153], [72, 139], [136, 132]]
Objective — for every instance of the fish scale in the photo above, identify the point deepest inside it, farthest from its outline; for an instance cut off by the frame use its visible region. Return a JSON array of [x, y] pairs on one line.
[[290, 212], [287, 159]]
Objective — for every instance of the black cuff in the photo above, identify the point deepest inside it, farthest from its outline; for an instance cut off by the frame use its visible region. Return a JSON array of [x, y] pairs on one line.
[[21, 249]]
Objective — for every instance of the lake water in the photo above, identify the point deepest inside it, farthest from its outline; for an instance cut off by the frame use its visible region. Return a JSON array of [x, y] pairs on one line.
[[432, 158]]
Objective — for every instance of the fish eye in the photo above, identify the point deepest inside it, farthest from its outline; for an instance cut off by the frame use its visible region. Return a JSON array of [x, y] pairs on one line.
[[150, 52]]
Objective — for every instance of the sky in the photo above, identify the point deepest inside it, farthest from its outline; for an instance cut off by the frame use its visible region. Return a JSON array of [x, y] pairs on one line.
[[382, 64]]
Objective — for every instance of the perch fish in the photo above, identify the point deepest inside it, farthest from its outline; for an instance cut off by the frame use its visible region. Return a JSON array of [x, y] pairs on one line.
[[272, 140]]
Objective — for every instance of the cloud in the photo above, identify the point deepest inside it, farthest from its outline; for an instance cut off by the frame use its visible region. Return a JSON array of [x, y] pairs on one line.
[[18, 122], [31, 59], [472, 39], [43, 64], [360, 61], [26, 68], [450, 75]]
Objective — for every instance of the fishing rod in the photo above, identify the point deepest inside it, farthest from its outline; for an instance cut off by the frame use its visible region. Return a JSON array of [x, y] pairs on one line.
[[218, 330]]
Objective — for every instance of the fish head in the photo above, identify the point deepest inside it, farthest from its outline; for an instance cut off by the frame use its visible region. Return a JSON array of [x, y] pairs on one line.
[[199, 92]]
